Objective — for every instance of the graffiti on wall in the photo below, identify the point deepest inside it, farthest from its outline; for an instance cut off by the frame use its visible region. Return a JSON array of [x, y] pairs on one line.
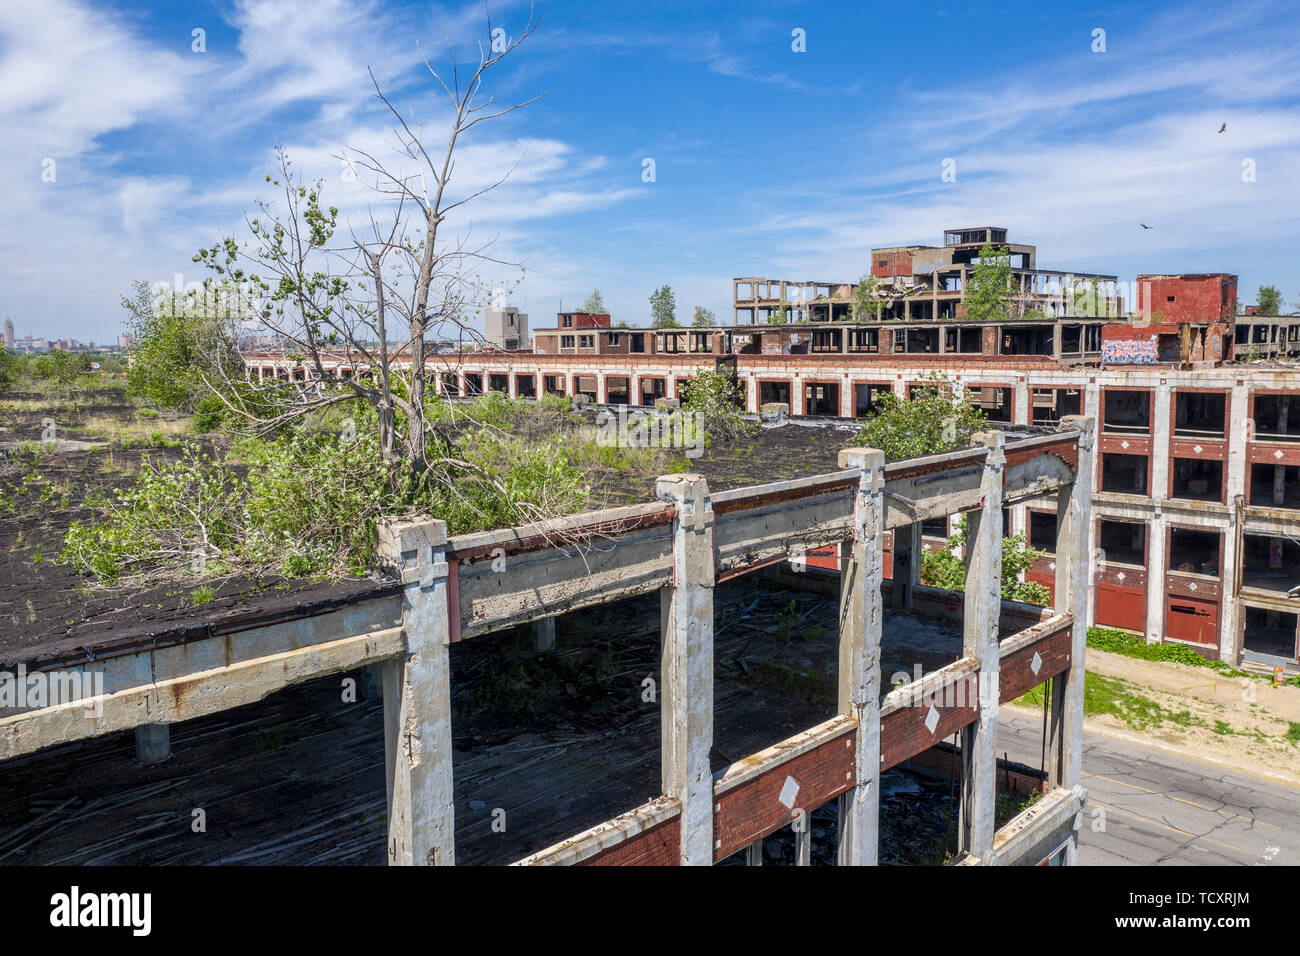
[[1130, 352]]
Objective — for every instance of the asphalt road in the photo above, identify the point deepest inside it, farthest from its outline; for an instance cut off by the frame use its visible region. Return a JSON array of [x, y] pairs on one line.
[[1149, 807]]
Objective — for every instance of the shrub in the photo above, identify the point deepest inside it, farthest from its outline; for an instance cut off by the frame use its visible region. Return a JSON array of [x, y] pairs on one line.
[[929, 422], [716, 398]]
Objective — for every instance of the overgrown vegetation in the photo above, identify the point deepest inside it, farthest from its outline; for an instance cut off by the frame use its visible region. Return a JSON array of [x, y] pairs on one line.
[[930, 421], [716, 397], [991, 288], [1134, 645], [944, 568], [306, 501]]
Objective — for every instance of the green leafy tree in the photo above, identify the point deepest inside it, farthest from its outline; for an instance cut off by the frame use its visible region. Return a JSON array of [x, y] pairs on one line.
[[780, 317], [8, 369], [703, 317], [865, 302], [944, 568], [60, 366], [1269, 300], [663, 309], [184, 344], [594, 304], [991, 286], [929, 422]]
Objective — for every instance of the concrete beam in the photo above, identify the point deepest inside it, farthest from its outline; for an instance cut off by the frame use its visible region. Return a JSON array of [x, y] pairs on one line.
[[980, 641], [193, 695], [861, 626], [686, 672], [417, 699]]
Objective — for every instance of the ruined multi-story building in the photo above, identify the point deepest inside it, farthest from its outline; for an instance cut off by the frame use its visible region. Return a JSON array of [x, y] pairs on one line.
[[1197, 504], [909, 283]]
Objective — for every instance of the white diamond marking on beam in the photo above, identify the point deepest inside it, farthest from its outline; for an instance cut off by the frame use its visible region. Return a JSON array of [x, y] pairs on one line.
[[1278, 453], [1198, 449], [1036, 664], [932, 720], [1053, 565], [1124, 443], [789, 792], [1120, 576], [1192, 586]]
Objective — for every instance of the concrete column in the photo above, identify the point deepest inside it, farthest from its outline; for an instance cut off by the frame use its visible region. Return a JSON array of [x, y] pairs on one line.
[[1073, 594], [153, 743], [544, 634], [907, 566], [1157, 570], [417, 699], [1022, 411], [1160, 435], [980, 640], [686, 673], [861, 624]]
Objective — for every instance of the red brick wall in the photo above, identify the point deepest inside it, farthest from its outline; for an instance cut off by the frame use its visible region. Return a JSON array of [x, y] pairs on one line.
[[1196, 298], [658, 846], [753, 809]]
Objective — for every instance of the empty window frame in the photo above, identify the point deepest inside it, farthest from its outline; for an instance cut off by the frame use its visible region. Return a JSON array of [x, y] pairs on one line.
[[1200, 414], [1277, 417], [1124, 474], [1275, 486], [1197, 479], [1194, 552], [1126, 412], [1050, 405], [1122, 542]]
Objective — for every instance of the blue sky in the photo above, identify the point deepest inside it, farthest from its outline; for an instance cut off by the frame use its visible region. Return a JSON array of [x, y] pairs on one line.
[[767, 161]]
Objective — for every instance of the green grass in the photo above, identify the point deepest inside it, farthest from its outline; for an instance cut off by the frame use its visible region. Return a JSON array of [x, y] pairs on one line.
[[1119, 699], [1293, 733]]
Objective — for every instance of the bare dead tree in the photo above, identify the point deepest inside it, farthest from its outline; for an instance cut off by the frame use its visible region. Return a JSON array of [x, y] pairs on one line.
[[361, 314]]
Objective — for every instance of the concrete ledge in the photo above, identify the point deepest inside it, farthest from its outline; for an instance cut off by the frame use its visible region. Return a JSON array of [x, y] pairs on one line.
[[605, 836], [1029, 837]]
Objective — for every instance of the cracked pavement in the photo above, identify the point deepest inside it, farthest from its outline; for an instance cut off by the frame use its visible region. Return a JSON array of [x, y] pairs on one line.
[[1149, 807]]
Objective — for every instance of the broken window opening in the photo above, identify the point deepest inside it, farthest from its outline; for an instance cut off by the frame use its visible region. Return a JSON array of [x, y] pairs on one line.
[[1270, 563], [1127, 413], [1124, 474], [1197, 479], [1271, 634], [1123, 542], [1194, 552], [1200, 414]]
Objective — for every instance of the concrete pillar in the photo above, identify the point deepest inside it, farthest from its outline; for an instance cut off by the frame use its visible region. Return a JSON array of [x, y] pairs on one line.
[[861, 624], [1279, 471], [1022, 410], [686, 673], [907, 566], [417, 699], [1157, 571], [980, 640], [153, 743], [1073, 594], [1160, 435], [544, 634]]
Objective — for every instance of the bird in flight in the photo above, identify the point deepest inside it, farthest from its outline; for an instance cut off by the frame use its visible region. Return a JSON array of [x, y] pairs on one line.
[[1223, 127], [1144, 225]]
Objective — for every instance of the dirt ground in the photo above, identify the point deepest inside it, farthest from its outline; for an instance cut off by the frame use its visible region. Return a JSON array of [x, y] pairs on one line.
[[1240, 721]]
